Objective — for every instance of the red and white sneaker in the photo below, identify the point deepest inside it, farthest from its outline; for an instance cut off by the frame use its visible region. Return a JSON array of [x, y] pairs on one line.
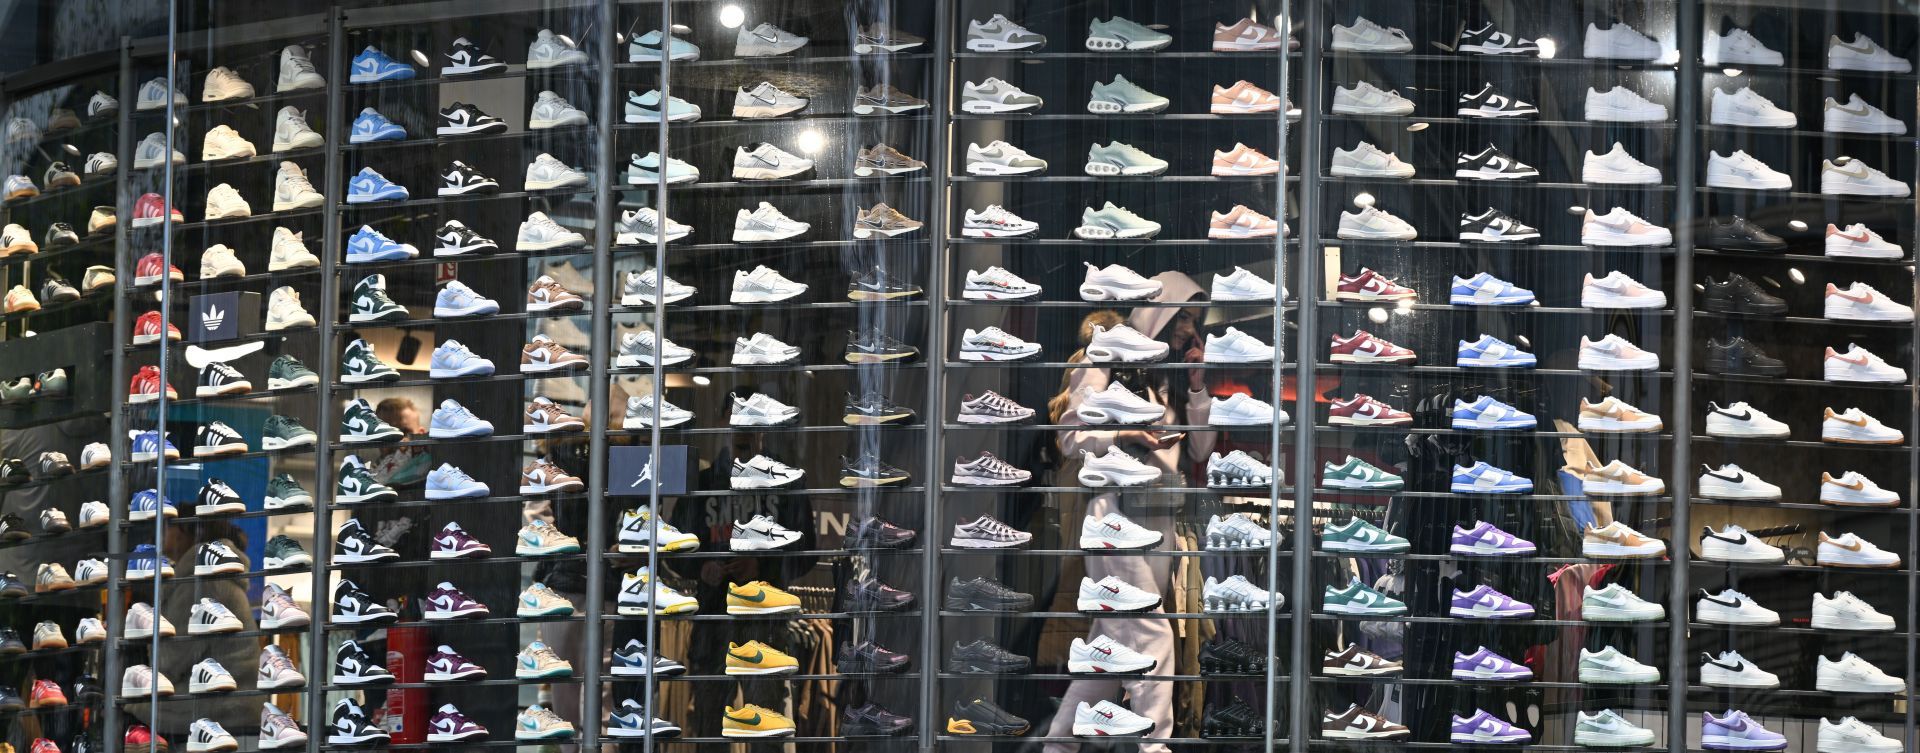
[[1363, 347], [1369, 285], [150, 269], [152, 209], [41, 744], [1363, 410], [147, 329], [46, 694], [146, 385]]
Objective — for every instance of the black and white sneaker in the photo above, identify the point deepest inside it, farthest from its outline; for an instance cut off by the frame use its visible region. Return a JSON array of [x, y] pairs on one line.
[[875, 346], [465, 58], [352, 545], [216, 439], [873, 408], [1492, 164], [456, 239], [52, 464], [354, 484], [1494, 226], [216, 498], [461, 119], [878, 285], [1487, 40], [352, 665], [869, 470], [352, 606], [218, 558], [1488, 104], [217, 378], [350, 726], [461, 179]]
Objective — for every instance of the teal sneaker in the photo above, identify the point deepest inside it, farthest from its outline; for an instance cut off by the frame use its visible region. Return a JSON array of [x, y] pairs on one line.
[[16, 390], [287, 372], [1360, 537], [53, 384], [1122, 159], [285, 493], [1123, 96], [1114, 222], [1358, 474], [1121, 35], [282, 432], [1358, 598]]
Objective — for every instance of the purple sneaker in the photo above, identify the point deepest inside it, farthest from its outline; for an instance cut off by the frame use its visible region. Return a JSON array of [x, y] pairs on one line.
[[451, 726], [1484, 664], [453, 543], [1736, 731], [448, 603], [447, 665], [1485, 728], [1485, 602], [1487, 540]]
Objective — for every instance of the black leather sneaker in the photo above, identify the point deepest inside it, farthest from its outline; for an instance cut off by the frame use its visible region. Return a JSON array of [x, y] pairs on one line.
[[871, 720], [1739, 357], [984, 657], [980, 717], [869, 658], [877, 285], [10, 643], [1234, 720], [984, 595], [871, 595], [873, 408], [869, 470], [1227, 656], [1739, 295], [874, 346], [1737, 234]]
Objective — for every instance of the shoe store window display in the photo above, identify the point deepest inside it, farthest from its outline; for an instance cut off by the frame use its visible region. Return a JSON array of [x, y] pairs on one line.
[[188, 607], [1153, 458]]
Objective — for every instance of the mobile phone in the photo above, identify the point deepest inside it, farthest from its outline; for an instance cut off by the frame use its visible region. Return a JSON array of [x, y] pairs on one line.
[[1169, 436]]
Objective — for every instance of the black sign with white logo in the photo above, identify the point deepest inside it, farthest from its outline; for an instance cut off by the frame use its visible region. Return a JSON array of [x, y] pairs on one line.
[[215, 317], [630, 472]]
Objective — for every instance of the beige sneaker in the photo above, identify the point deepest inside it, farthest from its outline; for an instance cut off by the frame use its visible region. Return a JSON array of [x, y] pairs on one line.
[[100, 221], [16, 240], [1614, 415], [1617, 479], [543, 417], [537, 723], [882, 221], [543, 355], [1241, 222], [1243, 98], [225, 202], [545, 294], [540, 538], [1246, 35], [1617, 540], [52, 577], [219, 261], [540, 601], [543, 477], [538, 661], [21, 299], [1244, 160]]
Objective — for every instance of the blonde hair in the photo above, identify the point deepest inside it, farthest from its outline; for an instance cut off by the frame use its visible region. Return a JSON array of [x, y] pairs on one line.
[[1105, 319]]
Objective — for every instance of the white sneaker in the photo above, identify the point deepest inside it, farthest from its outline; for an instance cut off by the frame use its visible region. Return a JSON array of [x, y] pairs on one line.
[[762, 350], [1614, 353], [224, 202], [1850, 735], [1365, 160], [1242, 409], [219, 261], [1620, 227], [1745, 107], [1123, 344], [223, 84], [1108, 719], [1862, 54], [1847, 612], [1115, 468], [1737, 47], [547, 173], [551, 111], [992, 344], [1858, 241], [764, 161], [292, 191], [284, 310], [1730, 607], [764, 224], [1741, 170], [1111, 594], [1116, 282], [1742, 420], [1374, 223], [1854, 490], [1731, 670], [1851, 177], [1116, 405], [1732, 482], [223, 143], [759, 409], [1234, 346], [1860, 302], [638, 349], [297, 71], [1367, 36], [1617, 167], [290, 252], [1858, 364], [763, 285], [1001, 158], [1619, 42], [1849, 550], [996, 284], [1856, 116], [290, 131], [995, 222], [1854, 426], [153, 150], [1618, 291], [1115, 531], [1734, 544], [1609, 666], [1242, 286], [550, 50], [762, 472], [1852, 674], [1622, 105], [1104, 655], [1617, 604], [1364, 98], [643, 413], [540, 233], [760, 534]]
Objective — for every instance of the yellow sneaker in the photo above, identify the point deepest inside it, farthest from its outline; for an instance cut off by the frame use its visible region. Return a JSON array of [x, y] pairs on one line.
[[756, 658], [759, 598], [753, 721]]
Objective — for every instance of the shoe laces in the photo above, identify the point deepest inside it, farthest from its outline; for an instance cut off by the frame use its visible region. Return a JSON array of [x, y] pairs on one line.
[[297, 180]]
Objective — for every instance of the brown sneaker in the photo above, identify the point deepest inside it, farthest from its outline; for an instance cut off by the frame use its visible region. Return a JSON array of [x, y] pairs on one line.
[[1354, 661], [884, 99], [546, 295], [543, 355], [1245, 35], [881, 159], [543, 477], [1360, 724], [543, 417], [882, 221]]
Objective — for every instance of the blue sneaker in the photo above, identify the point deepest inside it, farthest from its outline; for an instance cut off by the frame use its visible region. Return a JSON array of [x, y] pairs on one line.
[[1486, 290], [1492, 352], [370, 186], [144, 562], [1486, 479], [369, 245], [372, 65], [148, 445], [147, 503], [372, 126], [449, 482], [1488, 413]]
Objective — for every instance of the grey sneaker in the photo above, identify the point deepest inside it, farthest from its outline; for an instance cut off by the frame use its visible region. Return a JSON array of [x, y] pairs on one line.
[[881, 159], [1123, 96], [1118, 34], [882, 221], [1001, 158], [996, 96], [1122, 159], [766, 40], [883, 99], [764, 100], [643, 226], [1114, 222], [998, 34]]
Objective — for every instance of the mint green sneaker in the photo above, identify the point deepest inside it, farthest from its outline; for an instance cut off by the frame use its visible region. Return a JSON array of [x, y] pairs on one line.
[[1118, 34], [1123, 96], [1358, 598], [1358, 474], [1359, 536], [1122, 159], [16, 390], [53, 384]]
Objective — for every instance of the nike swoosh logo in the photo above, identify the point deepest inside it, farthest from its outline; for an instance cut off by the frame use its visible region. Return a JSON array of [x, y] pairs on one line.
[[761, 596]]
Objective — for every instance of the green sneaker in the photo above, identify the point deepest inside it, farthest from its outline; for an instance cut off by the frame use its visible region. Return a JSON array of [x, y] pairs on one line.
[[1118, 34], [285, 554], [16, 390], [283, 492], [1360, 537], [359, 424], [53, 384], [1122, 159], [1123, 96], [288, 372], [1358, 474], [1358, 598], [1110, 221], [282, 432], [359, 365]]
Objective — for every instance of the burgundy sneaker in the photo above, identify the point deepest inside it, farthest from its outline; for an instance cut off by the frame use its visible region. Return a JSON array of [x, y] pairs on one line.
[[451, 726], [1363, 347], [1369, 285], [445, 665], [1363, 410], [448, 603], [453, 543], [878, 533]]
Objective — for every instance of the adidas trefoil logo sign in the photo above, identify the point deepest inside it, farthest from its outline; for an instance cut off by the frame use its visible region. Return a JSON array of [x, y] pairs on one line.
[[212, 318], [219, 316]]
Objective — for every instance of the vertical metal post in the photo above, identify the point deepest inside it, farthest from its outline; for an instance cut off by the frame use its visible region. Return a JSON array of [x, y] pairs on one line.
[[327, 364], [601, 327], [117, 494], [934, 411], [1307, 290], [1686, 147], [1299, 354], [662, 142], [170, 128]]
